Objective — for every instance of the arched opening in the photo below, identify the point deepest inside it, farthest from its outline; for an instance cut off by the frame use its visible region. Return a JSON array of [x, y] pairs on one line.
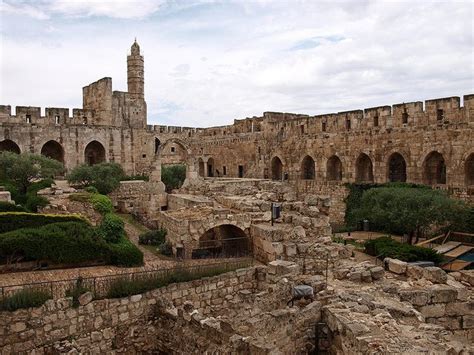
[[397, 168], [469, 170], [53, 150], [157, 145], [364, 169], [201, 167], [9, 146], [277, 169], [224, 241], [173, 151], [308, 168], [210, 167], [434, 169], [334, 169], [94, 153]]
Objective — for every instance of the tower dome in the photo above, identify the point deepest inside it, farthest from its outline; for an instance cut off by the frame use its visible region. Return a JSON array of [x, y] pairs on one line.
[[135, 48]]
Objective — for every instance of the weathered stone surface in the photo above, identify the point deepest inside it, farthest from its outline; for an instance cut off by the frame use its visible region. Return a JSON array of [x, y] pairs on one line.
[[435, 274], [442, 293], [377, 272], [396, 266], [416, 297], [85, 298]]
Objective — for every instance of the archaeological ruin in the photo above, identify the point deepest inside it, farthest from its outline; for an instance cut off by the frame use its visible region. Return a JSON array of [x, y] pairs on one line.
[[236, 175]]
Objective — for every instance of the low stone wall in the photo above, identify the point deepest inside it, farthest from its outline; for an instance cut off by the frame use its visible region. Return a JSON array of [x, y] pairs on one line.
[[115, 324], [176, 201]]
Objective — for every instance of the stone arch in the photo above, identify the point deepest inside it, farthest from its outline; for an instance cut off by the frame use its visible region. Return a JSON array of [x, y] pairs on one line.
[[469, 170], [8, 145], [211, 167], [174, 151], [53, 150], [224, 240], [364, 169], [396, 168], [308, 169], [157, 145], [94, 153], [277, 168], [334, 169], [434, 169], [201, 167]]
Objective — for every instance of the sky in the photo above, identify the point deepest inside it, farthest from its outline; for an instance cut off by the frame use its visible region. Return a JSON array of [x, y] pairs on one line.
[[212, 61]]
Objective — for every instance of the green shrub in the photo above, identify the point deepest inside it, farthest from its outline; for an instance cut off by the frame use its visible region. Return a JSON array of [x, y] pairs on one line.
[[173, 176], [10, 207], [25, 298], [125, 253], [91, 190], [33, 202], [105, 177], [166, 249], [101, 203], [10, 221], [111, 228], [154, 237], [386, 247]]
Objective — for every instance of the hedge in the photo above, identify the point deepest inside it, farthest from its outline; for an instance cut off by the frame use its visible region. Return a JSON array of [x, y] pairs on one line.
[[25, 298], [154, 237], [111, 228], [10, 221], [386, 247], [68, 243], [10, 207]]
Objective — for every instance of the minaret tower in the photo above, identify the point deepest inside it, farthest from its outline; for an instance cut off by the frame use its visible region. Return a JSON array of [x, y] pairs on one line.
[[136, 73]]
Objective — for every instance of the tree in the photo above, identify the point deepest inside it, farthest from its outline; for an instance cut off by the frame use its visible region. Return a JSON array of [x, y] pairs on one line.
[[21, 170], [105, 177], [173, 176], [403, 210]]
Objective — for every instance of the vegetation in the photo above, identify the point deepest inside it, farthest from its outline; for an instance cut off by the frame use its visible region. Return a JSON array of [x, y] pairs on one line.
[[105, 177], [10, 207], [25, 298], [384, 247], [111, 228], [10, 221], [173, 176], [125, 253], [154, 237], [124, 287], [136, 177], [76, 291]]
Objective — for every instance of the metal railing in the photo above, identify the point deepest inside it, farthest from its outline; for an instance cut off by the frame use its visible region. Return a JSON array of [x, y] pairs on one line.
[[100, 285]]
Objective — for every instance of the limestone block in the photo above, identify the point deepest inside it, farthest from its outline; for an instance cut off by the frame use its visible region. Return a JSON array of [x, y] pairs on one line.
[[85, 298], [366, 276], [468, 322], [377, 272], [396, 266], [467, 276], [442, 293], [340, 274], [416, 297], [433, 310], [299, 232], [18, 327], [460, 308], [355, 276], [290, 249], [435, 274], [282, 267], [311, 200], [414, 272]]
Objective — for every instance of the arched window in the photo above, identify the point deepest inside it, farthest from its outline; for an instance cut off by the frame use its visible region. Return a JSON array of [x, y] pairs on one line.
[[277, 169], [307, 168], [94, 153], [364, 169], [53, 150], [434, 169], [9, 146], [334, 169], [397, 168]]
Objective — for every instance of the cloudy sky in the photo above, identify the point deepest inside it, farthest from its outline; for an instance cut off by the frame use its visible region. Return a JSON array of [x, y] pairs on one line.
[[210, 62]]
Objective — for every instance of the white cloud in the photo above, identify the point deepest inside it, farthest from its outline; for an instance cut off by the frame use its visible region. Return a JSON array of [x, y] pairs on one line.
[[7, 9], [209, 64]]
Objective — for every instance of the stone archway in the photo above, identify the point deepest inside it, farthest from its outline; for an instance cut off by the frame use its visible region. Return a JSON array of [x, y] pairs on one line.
[[469, 170], [397, 168], [210, 167], [53, 150], [8, 145], [201, 167], [277, 169], [94, 153], [308, 170], [223, 241], [364, 169], [334, 169], [157, 145], [434, 169]]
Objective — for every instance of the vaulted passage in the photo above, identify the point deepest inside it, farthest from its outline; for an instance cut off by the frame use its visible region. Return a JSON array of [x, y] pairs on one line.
[[364, 169], [307, 168], [223, 241], [334, 169], [9, 146], [397, 168], [94, 153], [210, 167], [157, 145], [434, 169], [469, 170], [53, 150], [201, 167], [277, 169]]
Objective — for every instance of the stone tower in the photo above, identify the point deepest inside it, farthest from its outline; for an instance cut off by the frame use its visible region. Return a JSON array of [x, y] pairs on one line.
[[135, 73]]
